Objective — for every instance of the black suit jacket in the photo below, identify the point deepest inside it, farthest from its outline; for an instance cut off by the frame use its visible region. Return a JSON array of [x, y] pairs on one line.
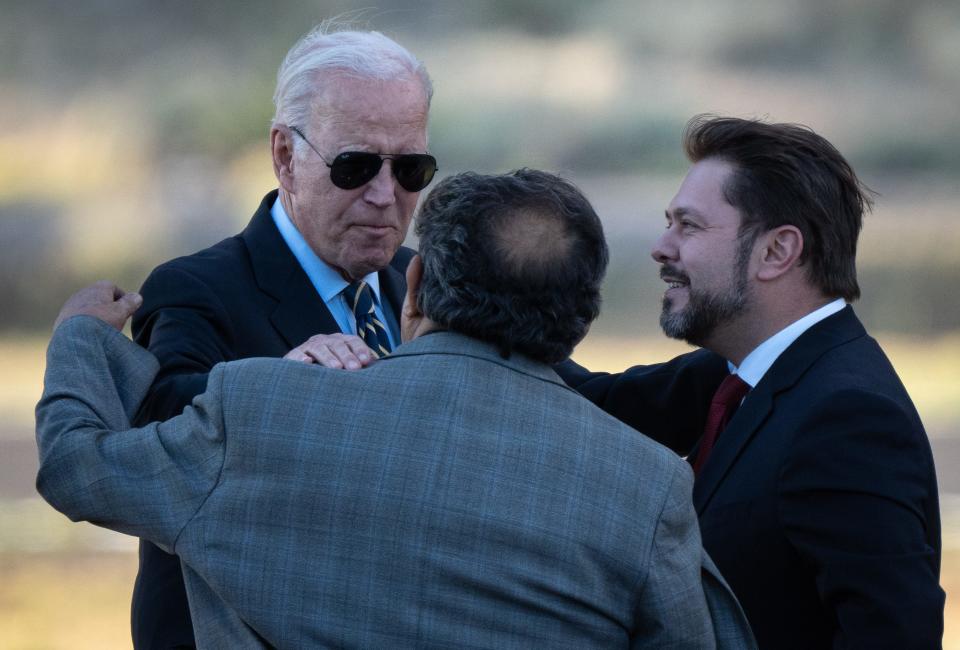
[[665, 401], [246, 296], [819, 502]]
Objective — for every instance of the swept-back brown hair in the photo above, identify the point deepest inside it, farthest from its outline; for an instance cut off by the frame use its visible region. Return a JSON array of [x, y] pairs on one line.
[[785, 174]]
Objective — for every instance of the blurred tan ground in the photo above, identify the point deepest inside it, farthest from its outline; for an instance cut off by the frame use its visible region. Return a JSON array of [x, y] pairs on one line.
[[66, 601]]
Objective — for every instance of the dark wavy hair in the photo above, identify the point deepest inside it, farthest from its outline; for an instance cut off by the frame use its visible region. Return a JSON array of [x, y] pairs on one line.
[[785, 174], [515, 259]]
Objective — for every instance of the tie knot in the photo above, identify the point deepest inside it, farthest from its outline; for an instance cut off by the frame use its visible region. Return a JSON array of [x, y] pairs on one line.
[[731, 391], [359, 297]]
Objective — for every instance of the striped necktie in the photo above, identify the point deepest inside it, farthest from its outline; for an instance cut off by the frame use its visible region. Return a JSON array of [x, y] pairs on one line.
[[359, 298]]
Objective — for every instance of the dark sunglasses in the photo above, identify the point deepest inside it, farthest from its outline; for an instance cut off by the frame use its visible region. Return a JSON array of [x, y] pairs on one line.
[[351, 169]]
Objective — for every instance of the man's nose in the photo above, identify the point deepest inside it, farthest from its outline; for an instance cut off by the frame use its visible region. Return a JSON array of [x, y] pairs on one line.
[[664, 248], [381, 191]]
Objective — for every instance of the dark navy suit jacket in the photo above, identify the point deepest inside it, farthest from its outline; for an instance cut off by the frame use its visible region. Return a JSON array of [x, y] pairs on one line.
[[819, 503], [246, 296]]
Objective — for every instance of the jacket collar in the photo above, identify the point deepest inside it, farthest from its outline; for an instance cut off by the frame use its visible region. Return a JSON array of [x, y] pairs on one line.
[[451, 343], [300, 312], [786, 371]]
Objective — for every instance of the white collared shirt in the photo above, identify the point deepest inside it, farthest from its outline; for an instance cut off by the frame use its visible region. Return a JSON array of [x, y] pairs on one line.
[[756, 364], [328, 282]]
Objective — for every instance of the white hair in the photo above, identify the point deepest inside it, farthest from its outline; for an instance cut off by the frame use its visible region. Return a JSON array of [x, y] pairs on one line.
[[364, 54]]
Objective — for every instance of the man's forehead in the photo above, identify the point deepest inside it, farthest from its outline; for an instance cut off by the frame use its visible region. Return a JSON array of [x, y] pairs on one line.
[[704, 183], [371, 113], [708, 175], [702, 193], [362, 98]]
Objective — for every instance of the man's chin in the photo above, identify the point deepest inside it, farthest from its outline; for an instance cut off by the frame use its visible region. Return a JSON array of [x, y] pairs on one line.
[[678, 325], [361, 268], [673, 324]]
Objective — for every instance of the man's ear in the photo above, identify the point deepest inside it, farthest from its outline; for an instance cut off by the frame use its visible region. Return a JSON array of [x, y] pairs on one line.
[[411, 318], [414, 276], [780, 250], [281, 146]]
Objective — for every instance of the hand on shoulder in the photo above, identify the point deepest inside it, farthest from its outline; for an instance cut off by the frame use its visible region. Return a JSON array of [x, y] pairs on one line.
[[103, 300], [338, 351]]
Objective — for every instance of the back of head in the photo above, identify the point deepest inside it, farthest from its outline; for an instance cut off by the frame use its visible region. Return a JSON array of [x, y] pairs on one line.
[[327, 51], [515, 259], [785, 174]]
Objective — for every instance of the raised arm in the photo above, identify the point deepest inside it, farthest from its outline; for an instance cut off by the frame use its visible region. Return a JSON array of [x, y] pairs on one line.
[[146, 482], [666, 401]]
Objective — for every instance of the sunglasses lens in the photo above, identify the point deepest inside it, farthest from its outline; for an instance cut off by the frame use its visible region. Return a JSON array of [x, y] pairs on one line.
[[414, 171], [352, 169]]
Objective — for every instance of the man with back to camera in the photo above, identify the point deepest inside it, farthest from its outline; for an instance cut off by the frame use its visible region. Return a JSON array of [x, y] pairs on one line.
[[817, 497], [480, 504], [349, 148]]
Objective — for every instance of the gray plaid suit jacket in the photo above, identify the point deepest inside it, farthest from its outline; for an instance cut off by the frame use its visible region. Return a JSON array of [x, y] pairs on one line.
[[444, 497]]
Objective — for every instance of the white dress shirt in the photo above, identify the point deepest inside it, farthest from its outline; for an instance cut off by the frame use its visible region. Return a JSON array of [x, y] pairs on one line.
[[756, 364]]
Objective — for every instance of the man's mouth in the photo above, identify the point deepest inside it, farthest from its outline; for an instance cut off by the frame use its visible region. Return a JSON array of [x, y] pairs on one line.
[[676, 281], [674, 278], [373, 227]]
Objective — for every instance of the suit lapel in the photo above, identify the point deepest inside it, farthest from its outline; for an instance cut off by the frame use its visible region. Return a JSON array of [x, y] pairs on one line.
[[393, 280], [740, 431], [786, 371], [300, 312]]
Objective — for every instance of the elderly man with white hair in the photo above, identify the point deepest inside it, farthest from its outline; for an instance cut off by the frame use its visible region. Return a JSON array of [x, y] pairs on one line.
[[320, 259]]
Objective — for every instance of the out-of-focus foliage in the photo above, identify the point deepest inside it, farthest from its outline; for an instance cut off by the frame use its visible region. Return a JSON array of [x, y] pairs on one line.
[[134, 131]]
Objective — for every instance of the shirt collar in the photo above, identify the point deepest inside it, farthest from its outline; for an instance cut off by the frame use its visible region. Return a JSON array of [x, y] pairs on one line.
[[758, 362], [325, 279]]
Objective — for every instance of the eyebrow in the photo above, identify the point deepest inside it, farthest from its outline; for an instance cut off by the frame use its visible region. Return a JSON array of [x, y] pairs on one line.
[[681, 212]]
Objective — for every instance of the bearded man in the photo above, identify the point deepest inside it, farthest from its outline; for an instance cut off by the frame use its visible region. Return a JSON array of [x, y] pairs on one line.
[[815, 485]]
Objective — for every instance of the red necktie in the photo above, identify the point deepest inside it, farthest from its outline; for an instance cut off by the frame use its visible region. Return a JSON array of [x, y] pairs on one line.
[[725, 401]]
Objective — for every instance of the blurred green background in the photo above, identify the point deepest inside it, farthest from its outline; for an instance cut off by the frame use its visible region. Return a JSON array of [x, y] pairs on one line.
[[135, 131]]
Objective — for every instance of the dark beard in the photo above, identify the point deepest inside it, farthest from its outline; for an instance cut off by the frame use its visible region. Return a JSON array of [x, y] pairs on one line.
[[704, 312]]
